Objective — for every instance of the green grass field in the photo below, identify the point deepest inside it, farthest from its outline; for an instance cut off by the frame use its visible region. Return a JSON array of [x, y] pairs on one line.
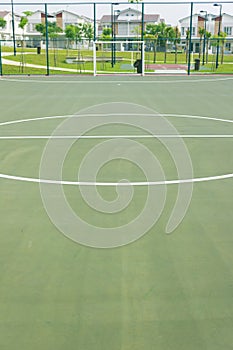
[[57, 59], [160, 292]]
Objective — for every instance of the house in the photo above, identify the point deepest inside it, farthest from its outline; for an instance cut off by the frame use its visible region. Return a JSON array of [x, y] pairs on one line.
[[226, 26], [127, 23], [33, 37], [211, 22], [65, 18], [6, 33]]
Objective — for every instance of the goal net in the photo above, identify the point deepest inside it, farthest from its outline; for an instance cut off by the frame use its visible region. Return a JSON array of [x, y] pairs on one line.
[[118, 57]]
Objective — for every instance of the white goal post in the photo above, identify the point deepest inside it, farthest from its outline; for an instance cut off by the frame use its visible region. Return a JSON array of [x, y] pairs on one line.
[[110, 43]]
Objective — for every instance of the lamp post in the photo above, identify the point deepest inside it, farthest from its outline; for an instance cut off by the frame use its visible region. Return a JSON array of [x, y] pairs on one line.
[[13, 26], [219, 28], [203, 58]]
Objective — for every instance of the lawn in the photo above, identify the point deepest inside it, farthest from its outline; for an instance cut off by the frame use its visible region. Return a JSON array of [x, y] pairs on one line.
[[57, 58]]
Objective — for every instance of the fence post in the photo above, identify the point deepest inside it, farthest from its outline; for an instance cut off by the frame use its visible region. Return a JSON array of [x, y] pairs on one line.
[[190, 37], [142, 29], [47, 39], [1, 57], [94, 21]]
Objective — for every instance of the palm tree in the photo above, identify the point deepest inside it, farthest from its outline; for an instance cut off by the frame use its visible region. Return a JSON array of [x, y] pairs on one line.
[[201, 32], [222, 43], [152, 34], [177, 39], [88, 32], [207, 36], [170, 35]]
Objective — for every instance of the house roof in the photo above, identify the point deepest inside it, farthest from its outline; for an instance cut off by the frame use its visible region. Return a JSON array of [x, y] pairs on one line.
[[147, 18], [43, 13], [151, 18], [3, 13], [199, 15], [130, 9], [69, 12]]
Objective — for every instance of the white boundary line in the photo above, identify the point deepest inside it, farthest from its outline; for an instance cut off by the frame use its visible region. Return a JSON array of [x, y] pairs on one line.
[[145, 183], [40, 137], [167, 182], [116, 114], [189, 79]]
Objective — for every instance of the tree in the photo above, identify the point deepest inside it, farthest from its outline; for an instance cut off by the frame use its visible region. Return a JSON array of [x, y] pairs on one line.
[[53, 32], [219, 41], [106, 34], [208, 36], [2, 23], [70, 35], [161, 31], [152, 34], [176, 41], [88, 32], [22, 24], [201, 32], [222, 44], [170, 35]]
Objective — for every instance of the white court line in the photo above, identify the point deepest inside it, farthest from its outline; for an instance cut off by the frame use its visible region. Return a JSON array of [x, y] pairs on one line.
[[116, 114], [18, 178], [110, 137], [189, 79], [145, 183]]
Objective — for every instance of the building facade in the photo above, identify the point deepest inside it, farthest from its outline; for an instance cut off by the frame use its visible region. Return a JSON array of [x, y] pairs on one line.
[[211, 23], [32, 37], [6, 33], [127, 23]]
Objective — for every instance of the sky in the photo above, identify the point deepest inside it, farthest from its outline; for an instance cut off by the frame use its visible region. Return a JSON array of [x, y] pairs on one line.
[[171, 13]]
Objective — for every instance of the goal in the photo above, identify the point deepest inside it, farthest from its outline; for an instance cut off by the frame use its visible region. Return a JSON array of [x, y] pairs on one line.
[[118, 57]]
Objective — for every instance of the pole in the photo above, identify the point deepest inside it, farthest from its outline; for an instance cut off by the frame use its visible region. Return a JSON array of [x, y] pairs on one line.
[[1, 57], [142, 29], [114, 37], [203, 58], [142, 58], [94, 58], [47, 38], [13, 26], [190, 37], [219, 28], [112, 33], [94, 21]]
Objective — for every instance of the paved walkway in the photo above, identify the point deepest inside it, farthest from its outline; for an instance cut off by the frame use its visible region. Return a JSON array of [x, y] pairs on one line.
[[15, 63]]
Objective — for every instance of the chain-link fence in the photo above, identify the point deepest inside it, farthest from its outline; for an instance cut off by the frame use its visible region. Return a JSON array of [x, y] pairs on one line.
[[59, 39]]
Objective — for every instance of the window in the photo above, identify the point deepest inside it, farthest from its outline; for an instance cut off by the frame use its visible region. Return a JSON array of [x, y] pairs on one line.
[[228, 30], [193, 30], [228, 46], [182, 30]]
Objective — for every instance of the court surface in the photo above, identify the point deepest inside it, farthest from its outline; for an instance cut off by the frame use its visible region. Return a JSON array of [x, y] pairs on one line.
[[161, 291]]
